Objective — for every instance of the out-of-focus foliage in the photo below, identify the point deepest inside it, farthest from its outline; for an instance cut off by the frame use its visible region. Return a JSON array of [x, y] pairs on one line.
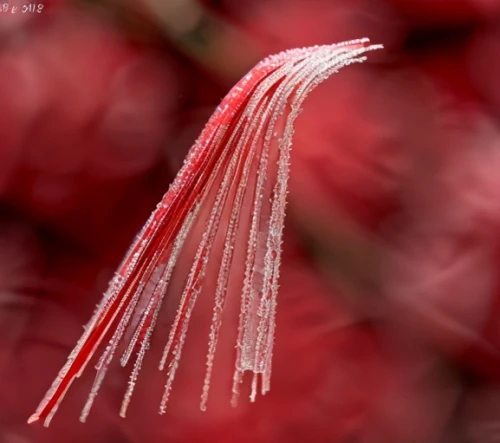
[[389, 300]]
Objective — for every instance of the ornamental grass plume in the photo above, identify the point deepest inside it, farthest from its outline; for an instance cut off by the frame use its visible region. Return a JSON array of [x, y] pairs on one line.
[[224, 213]]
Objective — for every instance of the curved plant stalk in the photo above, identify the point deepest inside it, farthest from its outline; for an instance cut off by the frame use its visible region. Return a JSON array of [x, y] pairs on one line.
[[233, 185]]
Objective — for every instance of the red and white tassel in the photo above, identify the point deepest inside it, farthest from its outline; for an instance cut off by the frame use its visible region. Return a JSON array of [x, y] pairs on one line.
[[234, 183]]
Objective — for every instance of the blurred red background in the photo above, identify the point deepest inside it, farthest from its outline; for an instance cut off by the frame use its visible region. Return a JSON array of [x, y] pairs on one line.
[[387, 325]]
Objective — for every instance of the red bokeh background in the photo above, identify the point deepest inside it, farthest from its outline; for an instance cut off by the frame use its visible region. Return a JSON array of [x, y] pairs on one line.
[[389, 299]]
